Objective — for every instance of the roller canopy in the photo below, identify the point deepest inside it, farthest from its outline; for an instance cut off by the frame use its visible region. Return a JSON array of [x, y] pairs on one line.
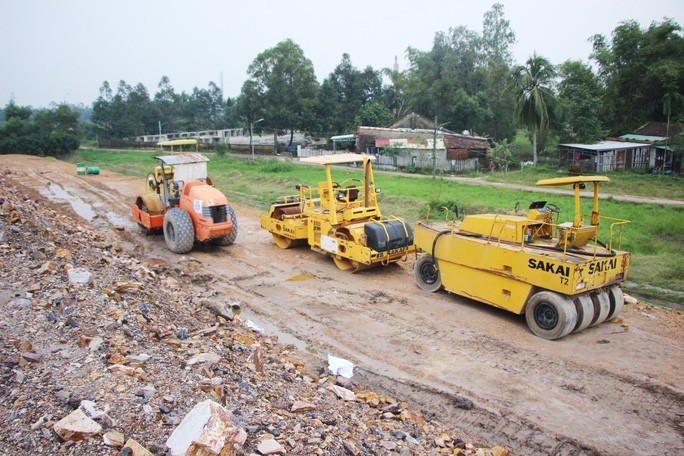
[[182, 159], [572, 180], [336, 159]]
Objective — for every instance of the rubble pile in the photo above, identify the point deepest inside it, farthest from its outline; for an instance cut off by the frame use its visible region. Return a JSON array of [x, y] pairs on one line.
[[102, 353]]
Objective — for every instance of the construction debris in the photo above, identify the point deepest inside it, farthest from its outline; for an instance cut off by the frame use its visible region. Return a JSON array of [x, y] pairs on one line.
[[94, 353]]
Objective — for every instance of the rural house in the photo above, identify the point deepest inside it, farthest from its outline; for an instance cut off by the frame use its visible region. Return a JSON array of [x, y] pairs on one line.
[[411, 141], [649, 147]]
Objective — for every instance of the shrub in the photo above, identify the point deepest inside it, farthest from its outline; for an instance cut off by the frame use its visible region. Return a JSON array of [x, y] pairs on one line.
[[221, 149]]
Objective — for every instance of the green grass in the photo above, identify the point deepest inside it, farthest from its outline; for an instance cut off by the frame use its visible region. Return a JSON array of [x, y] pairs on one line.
[[631, 182], [655, 235]]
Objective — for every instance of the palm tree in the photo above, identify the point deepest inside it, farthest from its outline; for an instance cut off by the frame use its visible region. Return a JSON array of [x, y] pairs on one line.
[[535, 101]]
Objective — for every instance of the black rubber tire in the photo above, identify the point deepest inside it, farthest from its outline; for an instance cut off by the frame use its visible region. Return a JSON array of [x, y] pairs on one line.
[[178, 230], [229, 238], [550, 315], [617, 301], [427, 274], [585, 312], [601, 307]]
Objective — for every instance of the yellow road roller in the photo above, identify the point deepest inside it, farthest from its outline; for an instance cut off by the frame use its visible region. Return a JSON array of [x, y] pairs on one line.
[[560, 275], [342, 218]]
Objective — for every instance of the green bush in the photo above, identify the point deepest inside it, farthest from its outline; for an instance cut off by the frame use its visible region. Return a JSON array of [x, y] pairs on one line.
[[221, 149]]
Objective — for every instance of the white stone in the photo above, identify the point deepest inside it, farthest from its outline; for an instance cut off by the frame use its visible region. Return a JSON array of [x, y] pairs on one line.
[[114, 439], [207, 428], [76, 426], [208, 357], [343, 393], [91, 410], [79, 275], [270, 446]]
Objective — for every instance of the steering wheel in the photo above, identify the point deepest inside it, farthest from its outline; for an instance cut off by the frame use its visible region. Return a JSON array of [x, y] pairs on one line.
[[553, 208], [335, 185]]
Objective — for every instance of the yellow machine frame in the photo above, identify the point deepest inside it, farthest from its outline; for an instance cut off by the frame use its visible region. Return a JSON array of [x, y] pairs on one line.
[[332, 217], [505, 260]]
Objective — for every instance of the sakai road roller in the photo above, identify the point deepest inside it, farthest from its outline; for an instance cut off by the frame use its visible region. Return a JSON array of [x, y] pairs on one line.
[[182, 202], [560, 275], [342, 219]]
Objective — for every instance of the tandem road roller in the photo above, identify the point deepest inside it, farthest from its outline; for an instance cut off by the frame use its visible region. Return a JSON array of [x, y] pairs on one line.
[[342, 219], [558, 274]]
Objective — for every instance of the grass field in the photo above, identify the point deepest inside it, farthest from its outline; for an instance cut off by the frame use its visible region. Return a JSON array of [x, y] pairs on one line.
[[655, 235]]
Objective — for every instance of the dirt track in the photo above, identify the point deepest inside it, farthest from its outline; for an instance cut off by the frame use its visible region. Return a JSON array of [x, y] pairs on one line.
[[608, 390]]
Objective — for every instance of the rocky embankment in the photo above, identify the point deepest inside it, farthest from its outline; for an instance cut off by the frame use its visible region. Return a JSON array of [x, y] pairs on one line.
[[102, 353]]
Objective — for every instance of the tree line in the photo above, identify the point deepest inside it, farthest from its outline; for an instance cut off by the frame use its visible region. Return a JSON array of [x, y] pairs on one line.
[[467, 81]]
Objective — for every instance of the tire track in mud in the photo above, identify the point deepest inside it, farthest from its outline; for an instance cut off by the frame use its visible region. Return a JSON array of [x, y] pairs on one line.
[[574, 381], [435, 401]]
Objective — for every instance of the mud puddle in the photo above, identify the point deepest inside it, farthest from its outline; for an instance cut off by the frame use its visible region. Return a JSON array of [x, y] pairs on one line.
[[56, 193]]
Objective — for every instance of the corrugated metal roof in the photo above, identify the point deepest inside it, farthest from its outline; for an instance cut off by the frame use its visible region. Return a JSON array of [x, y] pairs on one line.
[[659, 129], [605, 145], [440, 132], [343, 138], [647, 138]]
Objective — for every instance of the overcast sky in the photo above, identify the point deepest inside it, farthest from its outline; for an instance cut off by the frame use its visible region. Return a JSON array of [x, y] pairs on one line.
[[62, 50]]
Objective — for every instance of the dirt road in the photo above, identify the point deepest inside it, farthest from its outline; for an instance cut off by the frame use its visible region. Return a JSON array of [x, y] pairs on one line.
[[610, 389]]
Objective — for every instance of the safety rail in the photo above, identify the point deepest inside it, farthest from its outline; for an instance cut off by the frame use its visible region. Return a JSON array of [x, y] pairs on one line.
[[444, 209], [617, 222]]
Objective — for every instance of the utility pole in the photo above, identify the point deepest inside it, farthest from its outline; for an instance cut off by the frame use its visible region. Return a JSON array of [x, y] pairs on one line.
[[434, 150], [251, 144]]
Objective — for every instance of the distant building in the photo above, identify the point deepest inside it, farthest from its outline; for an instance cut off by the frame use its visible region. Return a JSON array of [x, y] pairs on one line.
[[605, 156], [649, 147], [412, 140]]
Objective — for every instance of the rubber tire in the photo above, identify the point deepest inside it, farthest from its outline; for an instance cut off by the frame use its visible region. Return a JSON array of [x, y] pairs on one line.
[[601, 307], [617, 301], [585, 312], [558, 308], [427, 274], [229, 238], [178, 230]]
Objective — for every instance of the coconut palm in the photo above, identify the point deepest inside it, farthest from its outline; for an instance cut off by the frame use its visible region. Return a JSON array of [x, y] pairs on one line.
[[535, 100]]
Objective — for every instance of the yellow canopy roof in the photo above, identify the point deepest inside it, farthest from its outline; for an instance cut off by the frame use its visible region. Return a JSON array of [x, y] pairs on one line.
[[336, 158], [570, 180], [178, 142]]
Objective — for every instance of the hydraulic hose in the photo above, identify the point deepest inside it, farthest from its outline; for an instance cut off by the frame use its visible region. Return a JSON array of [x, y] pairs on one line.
[[434, 244]]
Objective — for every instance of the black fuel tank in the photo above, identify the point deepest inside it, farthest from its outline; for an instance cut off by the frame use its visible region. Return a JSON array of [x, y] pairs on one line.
[[377, 236]]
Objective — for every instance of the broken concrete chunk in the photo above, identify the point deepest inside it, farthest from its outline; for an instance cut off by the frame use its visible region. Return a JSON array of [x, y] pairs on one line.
[[91, 410], [208, 357], [136, 449], [302, 406], [207, 429], [76, 426], [79, 275], [343, 393], [270, 446], [113, 439]]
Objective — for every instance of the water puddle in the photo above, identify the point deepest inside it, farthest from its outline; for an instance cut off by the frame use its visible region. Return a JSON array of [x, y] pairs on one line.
[[118, 221], [270, 329], [55, 192]]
